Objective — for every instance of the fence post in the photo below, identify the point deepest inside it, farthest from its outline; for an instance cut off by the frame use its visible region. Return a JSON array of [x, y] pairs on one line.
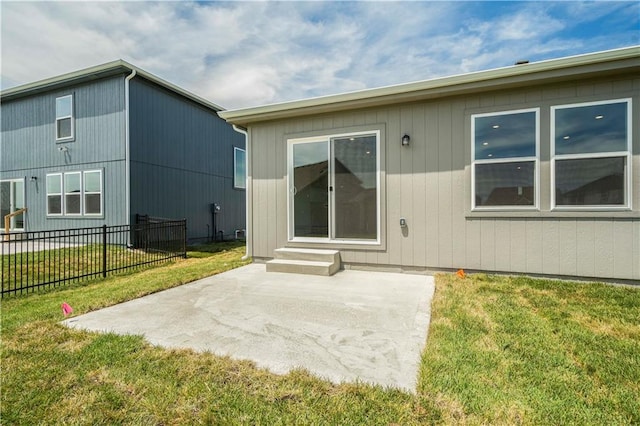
[[104, 251], [184, 238]]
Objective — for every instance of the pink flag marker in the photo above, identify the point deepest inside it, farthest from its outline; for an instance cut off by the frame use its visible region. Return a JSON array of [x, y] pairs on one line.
[[66, 309]]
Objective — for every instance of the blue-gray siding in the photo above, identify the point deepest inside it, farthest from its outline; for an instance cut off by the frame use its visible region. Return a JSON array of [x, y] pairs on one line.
[[182, 161], [29, 148]]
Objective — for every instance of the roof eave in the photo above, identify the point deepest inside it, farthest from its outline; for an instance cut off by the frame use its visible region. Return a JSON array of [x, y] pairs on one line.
[[555, 70], [95, 73]]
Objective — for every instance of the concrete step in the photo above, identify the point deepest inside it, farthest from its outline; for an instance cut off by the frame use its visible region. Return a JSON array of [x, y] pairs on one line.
[[308, 267], [315, 255]]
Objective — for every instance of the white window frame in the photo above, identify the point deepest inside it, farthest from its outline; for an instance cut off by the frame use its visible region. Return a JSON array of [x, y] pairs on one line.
[[613, 154], [535, 159], [65, 193], [290, 204], [82, 193], [60, 194], [64, 117], [85, 193], [243, 183]]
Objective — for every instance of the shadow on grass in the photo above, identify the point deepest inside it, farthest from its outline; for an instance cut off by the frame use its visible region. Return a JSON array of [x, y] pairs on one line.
[[209, 249]]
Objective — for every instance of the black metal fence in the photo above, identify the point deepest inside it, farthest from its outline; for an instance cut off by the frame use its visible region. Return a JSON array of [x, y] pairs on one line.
[[46, 259]]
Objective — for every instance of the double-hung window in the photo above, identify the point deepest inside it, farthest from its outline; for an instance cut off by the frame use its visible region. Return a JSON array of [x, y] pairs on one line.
[[505, 160], [591, 155], [54, 194], [239, 168], [72, 196], [64, 118], [92, 192], [75, 193]]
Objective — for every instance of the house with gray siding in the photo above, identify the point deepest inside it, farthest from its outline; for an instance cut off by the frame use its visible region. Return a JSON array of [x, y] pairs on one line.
[[532, 168], [101, 145]]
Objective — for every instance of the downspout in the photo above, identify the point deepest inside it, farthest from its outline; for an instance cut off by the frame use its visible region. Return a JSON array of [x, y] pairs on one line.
[[127, 137], [248, 210]]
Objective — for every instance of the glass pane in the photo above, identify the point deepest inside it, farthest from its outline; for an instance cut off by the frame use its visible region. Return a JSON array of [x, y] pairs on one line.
[[240, 169], [5, 200], [92, 204], [590, 182], [71, 183], [64, 128], [63, 107], [505, 184], [593, 128], [92, 181], [54, 184], [54, 204], [355, 169], [310, 181], [72, 204], [18, 195], [505, 136]]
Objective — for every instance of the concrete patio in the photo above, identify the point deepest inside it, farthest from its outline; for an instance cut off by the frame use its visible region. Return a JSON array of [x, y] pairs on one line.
[[355, 325]]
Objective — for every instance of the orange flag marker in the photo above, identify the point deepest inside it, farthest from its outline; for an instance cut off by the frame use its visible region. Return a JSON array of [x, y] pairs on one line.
[[461, 273]]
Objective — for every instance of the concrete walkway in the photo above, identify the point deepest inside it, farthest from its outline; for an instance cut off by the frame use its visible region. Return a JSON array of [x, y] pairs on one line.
[[355, 325]]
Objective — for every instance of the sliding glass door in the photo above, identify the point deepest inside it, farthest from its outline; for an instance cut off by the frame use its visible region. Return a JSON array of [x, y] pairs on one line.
[[334, 188], [11, 200]]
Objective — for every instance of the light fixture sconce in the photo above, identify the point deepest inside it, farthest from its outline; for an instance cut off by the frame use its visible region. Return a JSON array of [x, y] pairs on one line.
[[34, 178], [405, 140]]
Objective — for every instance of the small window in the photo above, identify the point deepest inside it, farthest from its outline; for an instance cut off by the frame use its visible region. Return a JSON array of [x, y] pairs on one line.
[[239, 168], [54, 194], [72, 196], [591, 155], [505, 160], [93, 192], [64, 118]]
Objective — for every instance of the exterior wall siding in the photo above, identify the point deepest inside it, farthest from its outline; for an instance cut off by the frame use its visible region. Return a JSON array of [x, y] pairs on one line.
[[29, 148], [182, 162], [429, 184]]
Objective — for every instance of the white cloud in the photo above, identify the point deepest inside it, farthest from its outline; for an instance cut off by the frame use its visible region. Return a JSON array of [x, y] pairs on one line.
[[248, 53]]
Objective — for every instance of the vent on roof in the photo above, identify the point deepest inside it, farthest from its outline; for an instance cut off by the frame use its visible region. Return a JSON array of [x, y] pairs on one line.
[[522, 62]]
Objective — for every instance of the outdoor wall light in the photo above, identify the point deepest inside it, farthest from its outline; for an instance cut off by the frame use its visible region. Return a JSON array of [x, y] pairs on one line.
[[34, 178], [405, 140]]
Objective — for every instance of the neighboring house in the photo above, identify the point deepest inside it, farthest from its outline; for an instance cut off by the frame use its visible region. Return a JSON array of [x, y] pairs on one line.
[[532, 168], [100, 145]]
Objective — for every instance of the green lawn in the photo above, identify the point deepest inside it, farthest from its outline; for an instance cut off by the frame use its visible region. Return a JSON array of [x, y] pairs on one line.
[[500, 351], [59, 267]]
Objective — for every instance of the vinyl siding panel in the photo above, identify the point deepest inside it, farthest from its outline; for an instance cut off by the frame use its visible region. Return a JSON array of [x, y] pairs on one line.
[[419, 186], [429, 184], [431, 217], [445, 211], [182, 162], [394, 200]]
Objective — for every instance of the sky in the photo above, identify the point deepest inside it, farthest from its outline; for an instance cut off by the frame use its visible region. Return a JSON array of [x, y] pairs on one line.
[[242, 54]]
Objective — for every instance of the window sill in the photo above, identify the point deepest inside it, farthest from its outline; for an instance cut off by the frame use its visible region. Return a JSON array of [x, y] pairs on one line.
[[337, 245], [529, 214], [76, 216]]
